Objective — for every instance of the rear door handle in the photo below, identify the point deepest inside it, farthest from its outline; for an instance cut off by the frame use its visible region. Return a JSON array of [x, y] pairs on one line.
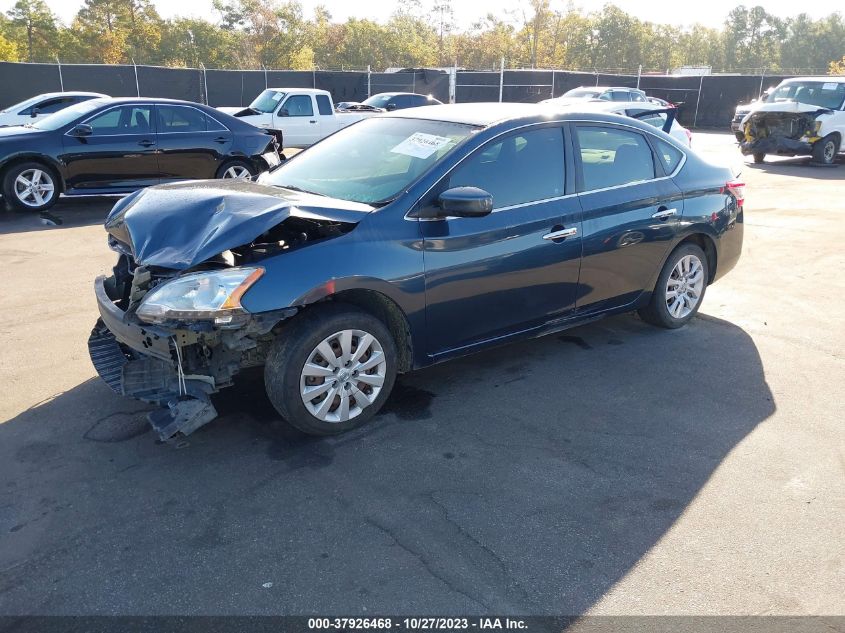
[[562, 234], [146, 143], [664, 214], [312, 121], [220, 139]]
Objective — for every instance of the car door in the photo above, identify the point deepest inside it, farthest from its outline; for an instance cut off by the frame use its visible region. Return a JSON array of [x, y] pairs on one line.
[[117, 150], [191, 144], [631, 213], [295, 117], [516, 268]]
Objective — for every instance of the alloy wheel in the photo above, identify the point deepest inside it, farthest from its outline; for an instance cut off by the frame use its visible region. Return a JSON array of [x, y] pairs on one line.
[[829, 151], [34, 187], [237, 171], [343, 375], [684, 286]]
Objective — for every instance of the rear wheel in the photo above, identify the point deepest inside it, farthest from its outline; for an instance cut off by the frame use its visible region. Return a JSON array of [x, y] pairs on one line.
[[30, 186], [825, 150], [679, 289], [759, 157], [331, 370], [236, 169]]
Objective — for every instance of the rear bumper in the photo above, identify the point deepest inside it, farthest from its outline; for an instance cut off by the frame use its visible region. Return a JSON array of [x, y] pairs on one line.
[[729, 245]]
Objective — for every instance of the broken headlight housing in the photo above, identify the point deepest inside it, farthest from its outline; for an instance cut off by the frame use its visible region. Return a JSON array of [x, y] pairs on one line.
[[214, 295]]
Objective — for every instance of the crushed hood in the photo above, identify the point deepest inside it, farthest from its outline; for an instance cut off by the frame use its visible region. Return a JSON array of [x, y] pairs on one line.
[[786, 107], [180, 225]]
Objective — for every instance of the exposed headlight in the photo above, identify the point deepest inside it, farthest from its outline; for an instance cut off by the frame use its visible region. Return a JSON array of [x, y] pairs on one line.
[[211, 295]]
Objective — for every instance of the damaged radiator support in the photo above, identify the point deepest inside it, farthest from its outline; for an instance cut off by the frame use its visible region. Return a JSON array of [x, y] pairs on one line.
[[186, 398]]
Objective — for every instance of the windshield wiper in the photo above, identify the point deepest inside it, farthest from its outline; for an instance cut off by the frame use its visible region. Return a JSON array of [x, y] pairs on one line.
[[301, 190]]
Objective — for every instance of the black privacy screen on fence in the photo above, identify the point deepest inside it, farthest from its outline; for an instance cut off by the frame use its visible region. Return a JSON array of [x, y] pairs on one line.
[[707, 101]]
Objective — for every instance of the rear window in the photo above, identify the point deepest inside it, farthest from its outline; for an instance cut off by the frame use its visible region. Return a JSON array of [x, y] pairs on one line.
[[611, 157]]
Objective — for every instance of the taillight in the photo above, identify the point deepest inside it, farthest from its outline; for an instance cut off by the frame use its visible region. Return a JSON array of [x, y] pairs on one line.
[[737, 189], [689, 136]]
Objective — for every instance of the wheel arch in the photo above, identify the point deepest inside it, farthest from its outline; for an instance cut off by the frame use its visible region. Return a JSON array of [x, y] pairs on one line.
[[705, 243], [381, 307], [48, 162]]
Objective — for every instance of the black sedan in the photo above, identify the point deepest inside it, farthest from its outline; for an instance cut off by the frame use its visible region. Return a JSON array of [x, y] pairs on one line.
[[116, 146], [390, 101], [402, 241]]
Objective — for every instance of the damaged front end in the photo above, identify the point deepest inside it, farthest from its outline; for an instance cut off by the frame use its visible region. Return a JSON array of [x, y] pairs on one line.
[[172, 331], [787, 132]]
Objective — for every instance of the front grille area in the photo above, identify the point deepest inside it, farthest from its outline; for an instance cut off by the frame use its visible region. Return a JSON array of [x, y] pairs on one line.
[[107, 356]]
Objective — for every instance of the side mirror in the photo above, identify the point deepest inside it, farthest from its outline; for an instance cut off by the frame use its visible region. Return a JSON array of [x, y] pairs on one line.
[[284, 112], [465, 202], [34, 112], [390, 107], [82, 130]]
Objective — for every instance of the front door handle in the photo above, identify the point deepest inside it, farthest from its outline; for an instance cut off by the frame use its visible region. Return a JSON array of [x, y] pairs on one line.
[[220, 139], [664, 214], [561, 234], [312, 121], [146, 143]]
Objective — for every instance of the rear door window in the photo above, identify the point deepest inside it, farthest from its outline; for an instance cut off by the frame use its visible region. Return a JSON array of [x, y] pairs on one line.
[[611, 156], [180, 119], [521, 168], [324, 106]]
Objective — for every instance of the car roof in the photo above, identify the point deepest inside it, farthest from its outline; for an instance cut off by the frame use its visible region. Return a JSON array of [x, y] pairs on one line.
[[399, 94], [488, 114], [838, 79], [68, 93], [119, 100], [307, 91], [603, 88]]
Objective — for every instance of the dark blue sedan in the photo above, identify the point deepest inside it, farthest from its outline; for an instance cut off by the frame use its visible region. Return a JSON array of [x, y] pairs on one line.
[[402, 241]]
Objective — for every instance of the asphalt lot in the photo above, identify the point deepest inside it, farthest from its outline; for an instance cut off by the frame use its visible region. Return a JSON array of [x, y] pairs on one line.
[[611, 469]]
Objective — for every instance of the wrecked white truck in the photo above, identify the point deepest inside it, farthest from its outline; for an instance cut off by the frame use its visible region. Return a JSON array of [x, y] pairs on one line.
[[803, 116]]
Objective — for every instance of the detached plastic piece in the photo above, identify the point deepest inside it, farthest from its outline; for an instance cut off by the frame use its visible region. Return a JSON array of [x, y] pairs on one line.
[[181, 416]]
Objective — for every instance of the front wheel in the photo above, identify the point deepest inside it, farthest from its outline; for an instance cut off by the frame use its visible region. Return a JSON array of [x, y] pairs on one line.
[[679, 290], [825, 150], [759, 157], [236, 169], [331, 370], [30, 187]]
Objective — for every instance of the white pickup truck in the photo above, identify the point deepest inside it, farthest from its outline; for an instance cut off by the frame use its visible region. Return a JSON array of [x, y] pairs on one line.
[[299, 117]]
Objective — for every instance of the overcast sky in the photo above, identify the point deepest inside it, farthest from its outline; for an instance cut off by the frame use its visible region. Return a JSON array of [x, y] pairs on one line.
[[710, 13]]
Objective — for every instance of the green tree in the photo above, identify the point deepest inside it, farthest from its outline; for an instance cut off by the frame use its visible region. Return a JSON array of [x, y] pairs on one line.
[[8, 50], [33, 26], [753, 39]]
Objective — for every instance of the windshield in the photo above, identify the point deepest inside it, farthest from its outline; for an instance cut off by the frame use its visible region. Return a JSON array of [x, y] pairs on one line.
[[68, 115], [267, 101], [582, 92], [378, 101], [23, 104], [371, 161], [825, 94]]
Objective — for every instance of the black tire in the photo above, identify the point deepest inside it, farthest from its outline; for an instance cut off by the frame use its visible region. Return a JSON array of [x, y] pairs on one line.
[[294, 346], [825, 150], [221, 171], [657, 311], [740, 137], [759, 157], [10, 194]]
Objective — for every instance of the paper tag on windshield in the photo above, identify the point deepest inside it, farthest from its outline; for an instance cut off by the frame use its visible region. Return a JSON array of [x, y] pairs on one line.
[[421, 145], [832, 85], [278, 95]]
